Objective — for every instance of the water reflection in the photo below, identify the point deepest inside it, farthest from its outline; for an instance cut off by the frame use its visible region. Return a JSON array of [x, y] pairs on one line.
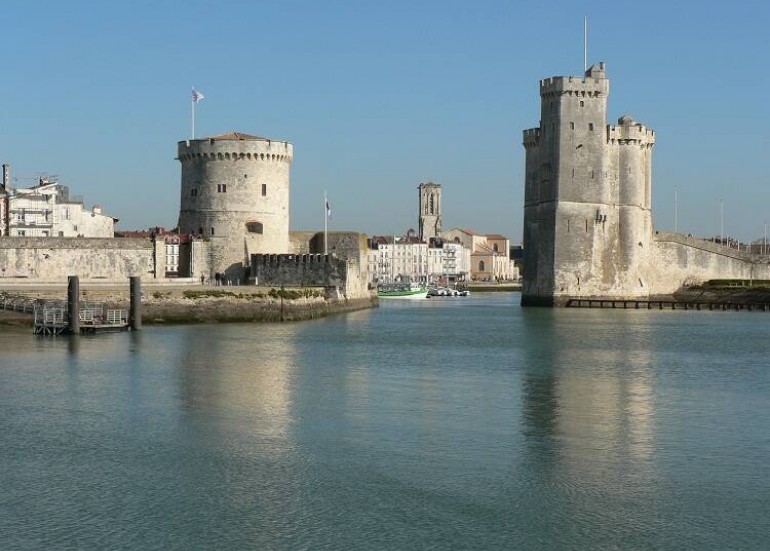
[[588, 394], [239, 377]]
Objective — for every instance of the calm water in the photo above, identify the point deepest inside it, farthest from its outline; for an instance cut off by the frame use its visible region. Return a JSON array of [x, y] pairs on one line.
[[448, 424]]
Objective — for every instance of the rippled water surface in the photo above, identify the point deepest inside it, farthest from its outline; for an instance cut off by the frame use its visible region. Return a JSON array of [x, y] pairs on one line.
[[463, 423]]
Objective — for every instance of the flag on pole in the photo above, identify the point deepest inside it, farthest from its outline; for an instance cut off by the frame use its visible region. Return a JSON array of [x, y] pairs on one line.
[[328, 209], [196, 95]]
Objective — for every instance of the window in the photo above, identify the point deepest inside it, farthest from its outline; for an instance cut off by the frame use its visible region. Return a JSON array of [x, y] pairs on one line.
[[481, 265], [194, 192], [61, 234], [264, 190], [254, 227], [494, 248], [221, 188], [591, 126], [212, 230], [572, 126], [582, 103]]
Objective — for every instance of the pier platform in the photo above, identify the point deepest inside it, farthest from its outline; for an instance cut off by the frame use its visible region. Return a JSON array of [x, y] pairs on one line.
[[666, 304], [50, 316]]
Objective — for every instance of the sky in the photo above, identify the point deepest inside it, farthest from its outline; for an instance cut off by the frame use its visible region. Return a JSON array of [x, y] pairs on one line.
[[378, 97]]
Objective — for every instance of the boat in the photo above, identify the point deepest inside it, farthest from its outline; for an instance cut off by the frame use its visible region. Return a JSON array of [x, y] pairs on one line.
[[401, 290], [446, 292]]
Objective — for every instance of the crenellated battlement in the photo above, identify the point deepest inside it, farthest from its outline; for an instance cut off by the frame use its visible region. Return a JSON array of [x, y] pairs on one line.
[[591, 87], [299, 270], [630, 132], [283, 259], [220, 149], [531, 137]]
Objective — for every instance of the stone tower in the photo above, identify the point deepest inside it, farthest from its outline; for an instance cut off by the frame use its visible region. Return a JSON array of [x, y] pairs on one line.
[[235, 193], [430, 211], [587, 217]]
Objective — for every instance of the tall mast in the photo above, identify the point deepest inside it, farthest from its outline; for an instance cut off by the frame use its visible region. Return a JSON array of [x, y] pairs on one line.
[[585, 43]]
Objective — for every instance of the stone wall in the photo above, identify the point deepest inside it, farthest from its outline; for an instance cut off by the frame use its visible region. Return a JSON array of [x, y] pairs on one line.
[[299, 270], [330, 272], [52, 259], [680, 260]]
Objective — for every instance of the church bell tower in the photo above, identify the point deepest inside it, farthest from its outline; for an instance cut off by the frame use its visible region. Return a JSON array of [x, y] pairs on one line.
[[430, 211]]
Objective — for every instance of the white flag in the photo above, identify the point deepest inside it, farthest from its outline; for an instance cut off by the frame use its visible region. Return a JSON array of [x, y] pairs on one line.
[[328, 209], [196, 95]]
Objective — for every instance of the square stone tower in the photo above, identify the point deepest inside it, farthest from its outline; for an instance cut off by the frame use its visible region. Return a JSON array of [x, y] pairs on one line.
[[587, 217]]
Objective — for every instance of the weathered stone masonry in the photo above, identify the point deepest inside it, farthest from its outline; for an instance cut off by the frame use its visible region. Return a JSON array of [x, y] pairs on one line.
[[235, 193], [588, 228]]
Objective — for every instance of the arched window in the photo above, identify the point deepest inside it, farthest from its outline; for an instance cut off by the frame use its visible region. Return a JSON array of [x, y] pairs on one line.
[[494, 248], [432, 206], [481, 265]]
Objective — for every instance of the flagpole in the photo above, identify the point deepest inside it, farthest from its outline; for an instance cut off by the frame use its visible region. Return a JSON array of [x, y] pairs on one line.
[[326, 224], [585, 43], [192, 107], [721, 221], [676, 210]]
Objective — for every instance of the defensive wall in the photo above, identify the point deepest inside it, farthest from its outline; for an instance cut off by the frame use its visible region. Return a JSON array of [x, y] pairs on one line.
[[350, 246], [682, 260], [336, 275], [52, 259], [299, 270]]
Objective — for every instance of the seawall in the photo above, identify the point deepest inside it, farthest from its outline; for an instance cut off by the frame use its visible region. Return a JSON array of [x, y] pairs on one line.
[[199, 304]]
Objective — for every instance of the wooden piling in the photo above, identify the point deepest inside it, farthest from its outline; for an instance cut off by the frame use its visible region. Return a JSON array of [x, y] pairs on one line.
[[73, 304], [135, 308]]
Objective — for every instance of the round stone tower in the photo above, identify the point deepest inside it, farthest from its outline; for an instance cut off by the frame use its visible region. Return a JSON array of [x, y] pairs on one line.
[[235, 194]]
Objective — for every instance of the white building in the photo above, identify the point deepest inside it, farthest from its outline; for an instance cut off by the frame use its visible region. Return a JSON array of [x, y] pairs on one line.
[[404, 259], [490, 257], [47, 210]]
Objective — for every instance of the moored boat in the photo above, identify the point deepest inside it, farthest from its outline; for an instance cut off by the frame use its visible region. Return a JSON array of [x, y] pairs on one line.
[[447, 292], [401, 290]]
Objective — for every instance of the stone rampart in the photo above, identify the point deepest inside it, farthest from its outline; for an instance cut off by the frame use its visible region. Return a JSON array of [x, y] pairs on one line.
[[52, 259], [680, 260], [299, 270]]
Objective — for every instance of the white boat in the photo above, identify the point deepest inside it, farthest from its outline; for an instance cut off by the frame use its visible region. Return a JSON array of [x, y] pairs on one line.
[[401, 290], [446, 292]]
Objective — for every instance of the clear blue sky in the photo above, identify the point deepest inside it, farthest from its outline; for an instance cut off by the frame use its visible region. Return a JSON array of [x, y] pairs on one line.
[[378, 97]]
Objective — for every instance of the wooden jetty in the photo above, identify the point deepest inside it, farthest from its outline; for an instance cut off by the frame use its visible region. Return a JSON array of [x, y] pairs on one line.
[[666, 304]]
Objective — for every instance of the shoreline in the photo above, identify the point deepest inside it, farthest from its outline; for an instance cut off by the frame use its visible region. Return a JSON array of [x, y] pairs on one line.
[[186, 305]]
